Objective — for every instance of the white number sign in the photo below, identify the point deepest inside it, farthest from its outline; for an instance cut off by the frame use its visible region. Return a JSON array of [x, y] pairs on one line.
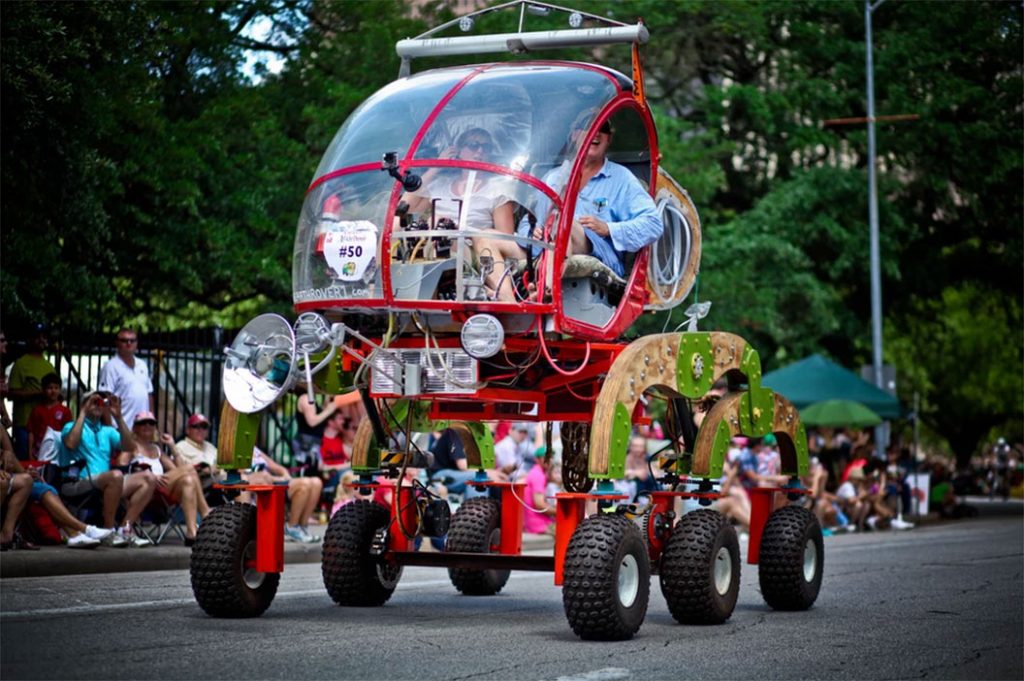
[[352, 249]]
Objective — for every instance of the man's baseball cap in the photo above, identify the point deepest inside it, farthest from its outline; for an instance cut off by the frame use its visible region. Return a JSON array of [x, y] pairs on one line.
[[522, 426], [197, 419]]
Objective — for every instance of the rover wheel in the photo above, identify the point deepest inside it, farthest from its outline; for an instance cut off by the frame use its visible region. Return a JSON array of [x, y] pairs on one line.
[[792, 558], [700, 569], [476, 528], [607, 579], [352, 575], [224, 581]]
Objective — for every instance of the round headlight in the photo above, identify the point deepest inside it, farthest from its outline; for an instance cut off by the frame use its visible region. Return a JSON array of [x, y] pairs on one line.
[[482, 336]]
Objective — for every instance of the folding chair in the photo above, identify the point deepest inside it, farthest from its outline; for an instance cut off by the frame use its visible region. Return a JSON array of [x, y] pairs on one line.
[[163, 515]]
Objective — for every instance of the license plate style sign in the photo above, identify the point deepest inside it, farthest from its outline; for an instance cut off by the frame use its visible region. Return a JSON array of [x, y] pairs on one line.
[[351, 250]]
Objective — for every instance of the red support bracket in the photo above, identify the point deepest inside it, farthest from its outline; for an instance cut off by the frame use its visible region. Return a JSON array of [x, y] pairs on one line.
[[269, 526], [512, 513], [762, 499], [404, 515], [762, 502], [662, 502], [570, 508]]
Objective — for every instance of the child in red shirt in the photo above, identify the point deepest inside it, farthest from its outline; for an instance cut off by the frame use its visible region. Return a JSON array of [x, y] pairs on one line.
[[51, 413]]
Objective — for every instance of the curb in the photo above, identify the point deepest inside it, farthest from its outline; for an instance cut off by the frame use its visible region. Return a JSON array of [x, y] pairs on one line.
[[51, 561]]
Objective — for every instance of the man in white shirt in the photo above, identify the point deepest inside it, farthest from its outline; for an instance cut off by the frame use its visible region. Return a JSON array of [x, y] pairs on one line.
[[127, 376], [195, 450], [514, 450]]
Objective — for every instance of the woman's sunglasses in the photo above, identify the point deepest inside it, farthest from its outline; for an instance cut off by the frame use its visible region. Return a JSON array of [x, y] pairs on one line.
[[487, 147]]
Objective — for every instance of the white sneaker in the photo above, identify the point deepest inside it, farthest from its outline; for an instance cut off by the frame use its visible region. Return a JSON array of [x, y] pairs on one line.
[[137, 542], [115, 539], [898, 524], [97, 532], [82, 541], [134, 540], [873, 522]]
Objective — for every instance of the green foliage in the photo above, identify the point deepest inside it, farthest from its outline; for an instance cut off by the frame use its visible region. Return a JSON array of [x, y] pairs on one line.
[[975, 335]]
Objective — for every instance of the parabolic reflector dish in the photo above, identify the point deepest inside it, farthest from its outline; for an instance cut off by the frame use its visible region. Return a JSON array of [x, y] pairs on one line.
[[259, 365]]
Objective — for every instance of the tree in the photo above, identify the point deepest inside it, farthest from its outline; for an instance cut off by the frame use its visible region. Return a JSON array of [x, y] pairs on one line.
[[974, 335]]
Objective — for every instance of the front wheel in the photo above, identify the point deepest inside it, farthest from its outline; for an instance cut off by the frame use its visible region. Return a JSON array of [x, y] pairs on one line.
[[607, 579], [224, 579], [792, 558], [700, 569], [352, 574]]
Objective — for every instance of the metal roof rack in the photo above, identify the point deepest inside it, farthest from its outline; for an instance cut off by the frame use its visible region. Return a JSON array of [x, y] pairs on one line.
[[609, 33]]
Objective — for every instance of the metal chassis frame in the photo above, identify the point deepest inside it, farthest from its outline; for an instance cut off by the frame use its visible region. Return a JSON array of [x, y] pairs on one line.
[[570, 510]]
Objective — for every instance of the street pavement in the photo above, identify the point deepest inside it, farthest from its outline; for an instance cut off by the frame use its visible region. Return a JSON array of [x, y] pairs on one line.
[[172, 554]]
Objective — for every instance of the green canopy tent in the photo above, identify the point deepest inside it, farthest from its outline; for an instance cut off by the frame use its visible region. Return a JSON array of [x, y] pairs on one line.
[[815, 379]]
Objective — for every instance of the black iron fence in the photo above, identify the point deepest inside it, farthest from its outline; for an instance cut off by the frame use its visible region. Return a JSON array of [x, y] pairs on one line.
[[185, 367]]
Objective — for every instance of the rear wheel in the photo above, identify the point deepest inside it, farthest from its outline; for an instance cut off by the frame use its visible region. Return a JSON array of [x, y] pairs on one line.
[[352, 574], [476, 528], [700, 569], [607, 579], [224, 579], [792, 559]]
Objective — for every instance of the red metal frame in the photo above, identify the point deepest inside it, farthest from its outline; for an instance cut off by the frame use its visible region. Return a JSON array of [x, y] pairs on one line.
[[341, 172], [762, 502], [551, 398], [661, 502], [636, 287], [270, 501], [570, 509]]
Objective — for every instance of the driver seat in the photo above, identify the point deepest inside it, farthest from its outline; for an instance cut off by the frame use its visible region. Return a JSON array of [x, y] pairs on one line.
[[590, 289]]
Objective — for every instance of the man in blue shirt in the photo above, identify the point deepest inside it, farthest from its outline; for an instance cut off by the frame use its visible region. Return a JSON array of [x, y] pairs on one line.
[[91, 439], [614, 213]]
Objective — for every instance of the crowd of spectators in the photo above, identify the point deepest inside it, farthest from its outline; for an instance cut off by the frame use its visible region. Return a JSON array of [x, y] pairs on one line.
[[108, 454]]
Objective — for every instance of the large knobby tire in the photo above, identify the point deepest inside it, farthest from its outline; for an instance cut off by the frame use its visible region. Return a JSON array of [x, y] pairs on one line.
[[476, 528], [792, 559], [351, 574], [700, 569], [222, 583], [607, 579]]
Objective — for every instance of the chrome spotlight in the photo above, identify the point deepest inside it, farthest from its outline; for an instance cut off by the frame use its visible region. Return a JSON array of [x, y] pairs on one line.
[[482, 336], [259, 365]]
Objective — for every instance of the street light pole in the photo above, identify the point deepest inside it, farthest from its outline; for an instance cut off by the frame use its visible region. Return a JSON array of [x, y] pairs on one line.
[[876, 276]]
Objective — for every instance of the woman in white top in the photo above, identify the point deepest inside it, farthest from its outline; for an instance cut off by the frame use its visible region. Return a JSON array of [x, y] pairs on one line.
[[179, 484], [481, 198]]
